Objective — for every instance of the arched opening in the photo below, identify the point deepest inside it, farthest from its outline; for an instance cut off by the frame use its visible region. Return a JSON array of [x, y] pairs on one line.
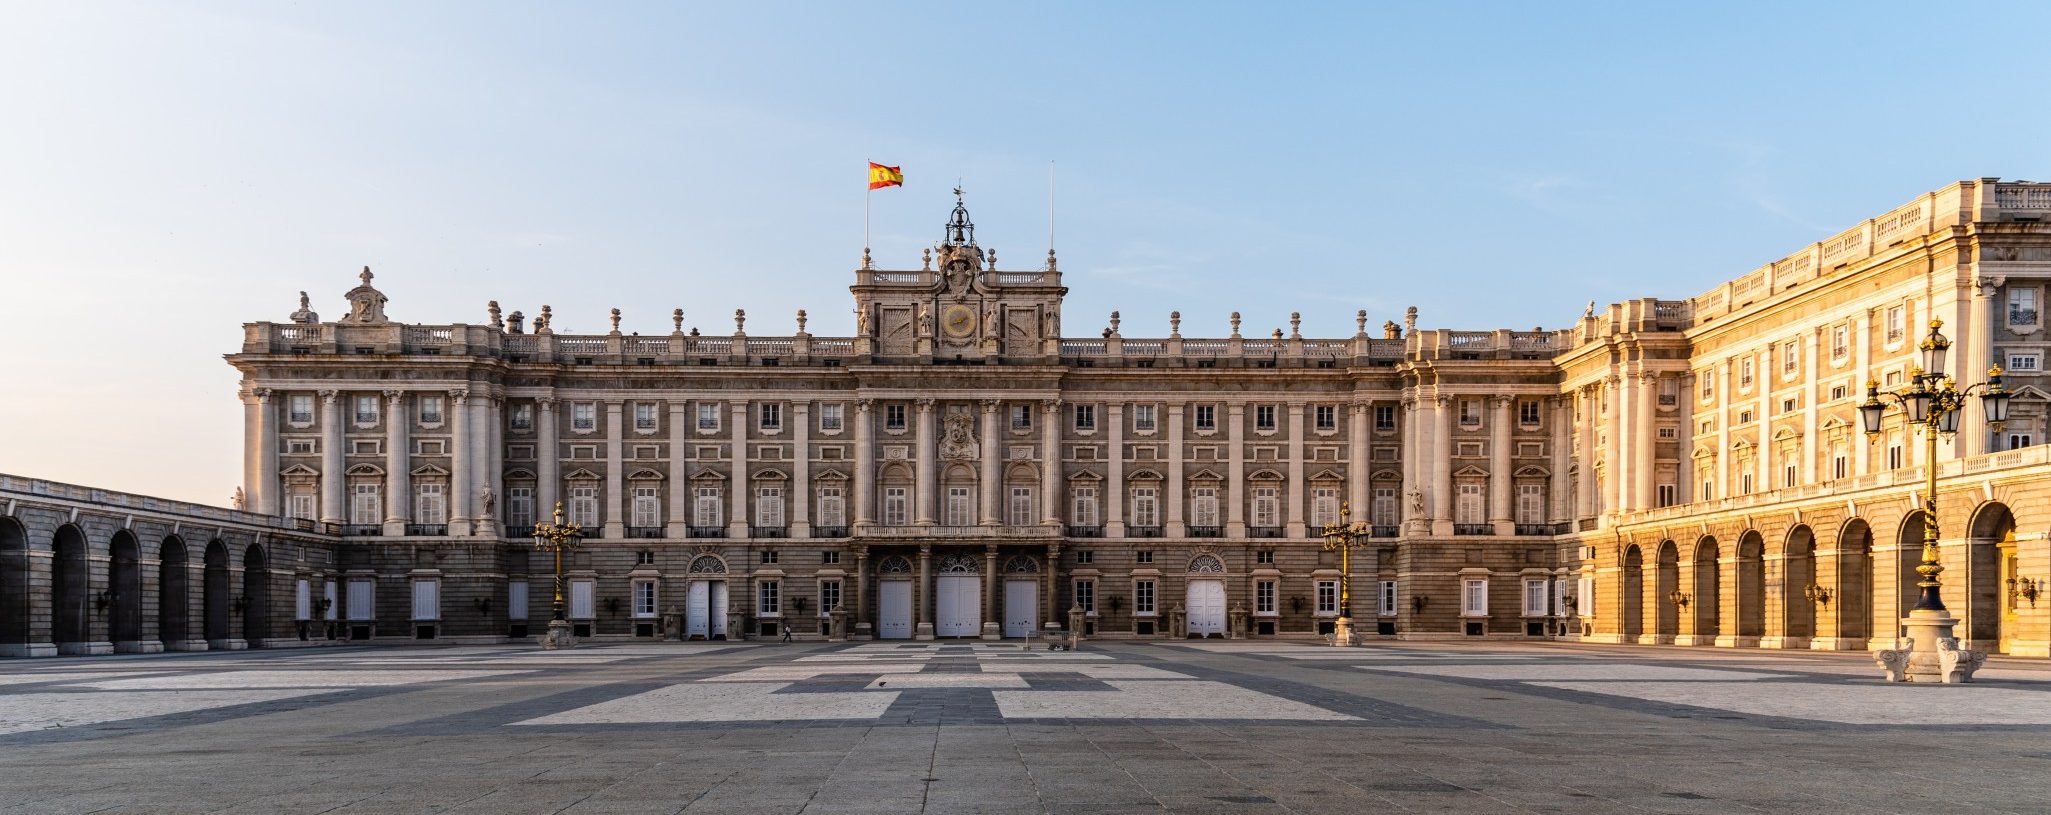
[[1708, 600], [1751, 586], [1909, 553], [1855, 587], [1990, 579], [13, 588], [124, 587], [174, 579], [256, 596], [70, 592], [214, 596], [1633, 594], [1667, 579], [1798, 582]]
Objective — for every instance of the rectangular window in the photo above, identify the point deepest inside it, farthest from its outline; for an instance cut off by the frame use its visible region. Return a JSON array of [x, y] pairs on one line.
[[1745, 483], [427, 599], [302, 409], [1085, 556], [2022, 306], [1021, 506], [832, 511], [1385, 417], [1669, 495], [1083, 509], [1789, 475], [1708, 382], [1474, 597], [1745, 416], [1327, 417], [705, 511], [894, 506], [1894, 450], [1327, 598], [1206, 417], [1143, 597], [1267, 506], [1530, 503], [1021, 417], [1537, 597], [366, 410], [1264, 597], [584, 416], [302, 600], [1790, 357], [893, 417], [1897, 323], [645, 557], [769, 557], [300, 505], [2017, 441], [1840, 464], [2022, 363], [1470, 412], [830, 557], [362, 600], [1146, 507], [1264, 417], [1470, 509], [1840, 342], [1745, 372], [521, 417], [1086, 595], [644, 416], [769, 507], [644, 599], [1204, 505], [583, 599], [1143, 556], [365, 505], [1385, 605], [1528, 412], [769, 598], [708, 416], [829, 596], [958, 511], [584, 505], [298, 447], [1384, 511], [430, 409], [647, 506], [519, 510], [429, 504], [769, 415], [1085, 417], [1264, 557], [1143, 418], [1324, 507]]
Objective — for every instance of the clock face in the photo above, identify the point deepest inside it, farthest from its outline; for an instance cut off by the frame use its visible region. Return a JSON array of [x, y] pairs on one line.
[[958, 321]]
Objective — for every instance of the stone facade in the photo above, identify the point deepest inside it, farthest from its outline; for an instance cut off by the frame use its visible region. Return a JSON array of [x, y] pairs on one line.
[[961, 467]]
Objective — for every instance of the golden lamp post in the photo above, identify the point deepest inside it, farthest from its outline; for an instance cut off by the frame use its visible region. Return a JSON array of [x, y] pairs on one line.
[[1345, 536], [1932, 402], [558, 537]]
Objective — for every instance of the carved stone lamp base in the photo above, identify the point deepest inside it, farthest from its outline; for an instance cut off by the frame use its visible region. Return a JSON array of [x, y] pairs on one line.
[[1342, 631], [1932, 655], [559, 636]]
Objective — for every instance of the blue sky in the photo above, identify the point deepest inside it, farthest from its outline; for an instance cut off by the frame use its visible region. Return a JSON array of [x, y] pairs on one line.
[[168, 172]]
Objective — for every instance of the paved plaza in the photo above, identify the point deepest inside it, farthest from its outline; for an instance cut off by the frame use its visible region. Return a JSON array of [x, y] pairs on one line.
[[1223, 727]]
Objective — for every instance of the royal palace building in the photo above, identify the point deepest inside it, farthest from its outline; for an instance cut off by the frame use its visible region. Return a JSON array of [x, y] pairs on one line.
[[1683, 471]]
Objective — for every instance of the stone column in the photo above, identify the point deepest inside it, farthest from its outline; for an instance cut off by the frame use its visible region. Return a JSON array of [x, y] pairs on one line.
[[679, 514], [1293, 522], [1411, 453], [615, 523], [1625, 439], [398, 497], [1644, 463], [922, 499], [1175, 499], [1359, 475], [1862, 326], [1499, 483], [1725, 398], [1442, 466], [1235, 471], [1113, 508], [1585, 497], [992, 474], [1978, 355], [265, 498], [334, 475], [864, 624], [800, 517], [1050, 460], [461, 500], [1558, 510], [548, 452], [1606, 425], [1763, 481], [865, 462], [491, 437], [922, 596], [992, 629], [739, 485]]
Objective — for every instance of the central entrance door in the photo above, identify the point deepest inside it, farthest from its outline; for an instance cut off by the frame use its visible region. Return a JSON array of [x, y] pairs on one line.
[[1021, 605], [894, 610], [960, 601], [1207, 607], [705, 610]]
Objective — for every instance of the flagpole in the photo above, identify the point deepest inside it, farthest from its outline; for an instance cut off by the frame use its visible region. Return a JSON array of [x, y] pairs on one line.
[[867, 191]]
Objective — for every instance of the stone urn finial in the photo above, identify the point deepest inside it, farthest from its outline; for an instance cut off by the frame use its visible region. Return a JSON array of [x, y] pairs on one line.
[[801, 321], [676, 318], [1175, 324], [615, 321], [1235, 324]]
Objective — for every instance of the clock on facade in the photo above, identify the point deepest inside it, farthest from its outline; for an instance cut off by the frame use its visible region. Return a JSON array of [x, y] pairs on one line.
[[959, 320]]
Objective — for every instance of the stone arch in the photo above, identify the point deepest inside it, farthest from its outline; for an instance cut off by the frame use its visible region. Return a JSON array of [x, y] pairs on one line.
[[1632, 594], [1206, 563], [1990, 569], [1797, 574], [1855, 588], [1708, 589], [958, 564], [214, 595], [707, 563], [70, 591], [1751, 584], [895, 565], [256, 595], [1666, 581], [124, 588], [174, 591], [14, 598], [1021, 564]]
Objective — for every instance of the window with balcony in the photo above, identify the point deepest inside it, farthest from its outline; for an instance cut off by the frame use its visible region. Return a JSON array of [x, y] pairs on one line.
[[1384, 512], [1897, 324], [1146, 507], [301, 410], [300, 505], [959, 511], [2022, 306], [1021, 506], [832, 509], [648, 507], [584, 505], [830, 417], [521, 417], [1083, 507], [706, 508], [519, 510], [1840, 343], [1530, 504], [1745, 374], [584, 417], [1203, 503], [430, 505], [644, 416], [708, 416], [1324, 508], [1470, 506], [894, 501], [1267, 512], [430, 409], [1143, 418], [366, 410]]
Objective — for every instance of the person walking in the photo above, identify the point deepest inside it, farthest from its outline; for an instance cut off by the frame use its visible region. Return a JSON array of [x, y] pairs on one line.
[[786, 633]]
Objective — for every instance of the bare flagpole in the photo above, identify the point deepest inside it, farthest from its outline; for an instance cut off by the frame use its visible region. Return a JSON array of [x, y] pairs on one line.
[[1050, 214]]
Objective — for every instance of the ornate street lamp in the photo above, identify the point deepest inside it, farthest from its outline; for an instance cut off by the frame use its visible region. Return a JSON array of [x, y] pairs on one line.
[[558, 536], [1345, 536], [1933, 402]]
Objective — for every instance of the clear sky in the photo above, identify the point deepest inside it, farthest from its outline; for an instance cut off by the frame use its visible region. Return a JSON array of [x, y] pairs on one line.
[[171, 171]]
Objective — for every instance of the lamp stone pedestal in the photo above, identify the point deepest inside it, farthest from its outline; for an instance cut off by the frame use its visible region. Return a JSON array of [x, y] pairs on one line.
[[558, 637], [1933, 654], [1342, 631]]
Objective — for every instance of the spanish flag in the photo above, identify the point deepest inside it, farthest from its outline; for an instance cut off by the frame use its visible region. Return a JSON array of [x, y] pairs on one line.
[[881, 176]]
